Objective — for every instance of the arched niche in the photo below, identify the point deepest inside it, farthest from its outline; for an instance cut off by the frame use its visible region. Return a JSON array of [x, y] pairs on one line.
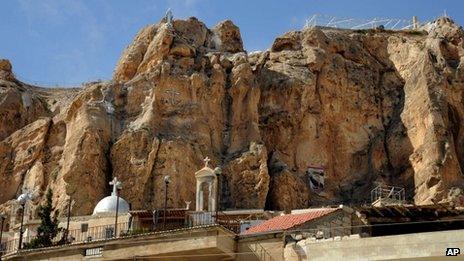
[[206, 182]]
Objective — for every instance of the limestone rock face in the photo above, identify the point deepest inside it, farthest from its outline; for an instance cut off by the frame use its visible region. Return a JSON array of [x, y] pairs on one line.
[[6, 72], [445, 28], [18, 106], [227, 37], [367, 106], [21, 157], [248, 179], [188, 100], [287, 191], [133, 55]]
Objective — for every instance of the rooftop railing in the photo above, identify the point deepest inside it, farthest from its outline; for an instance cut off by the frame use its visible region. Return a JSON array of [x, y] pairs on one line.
[[125, 229]]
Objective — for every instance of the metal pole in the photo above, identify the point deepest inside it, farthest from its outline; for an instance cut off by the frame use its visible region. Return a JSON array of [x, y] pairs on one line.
[[1, 235], [165, 203], [21, 228], [67, 222], [117, 209], [217, 198]]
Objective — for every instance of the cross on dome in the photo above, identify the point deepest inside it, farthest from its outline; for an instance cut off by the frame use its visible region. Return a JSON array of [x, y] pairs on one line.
[[116, 185], [207, 160]]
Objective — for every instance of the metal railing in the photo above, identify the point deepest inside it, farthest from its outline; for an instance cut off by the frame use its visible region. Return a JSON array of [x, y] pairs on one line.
[[388, 193], [208, 218], [356, 23], [72, 236], [97, 233], [107, 232]]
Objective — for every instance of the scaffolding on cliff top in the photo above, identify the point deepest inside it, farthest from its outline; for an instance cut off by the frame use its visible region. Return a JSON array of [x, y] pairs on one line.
[[387, 195], [318, 20]]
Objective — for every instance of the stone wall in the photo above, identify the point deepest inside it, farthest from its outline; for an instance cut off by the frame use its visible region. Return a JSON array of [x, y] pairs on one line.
[[409, 246]]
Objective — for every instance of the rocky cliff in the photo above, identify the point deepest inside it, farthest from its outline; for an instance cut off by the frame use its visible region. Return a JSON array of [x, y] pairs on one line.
[[368, 106]]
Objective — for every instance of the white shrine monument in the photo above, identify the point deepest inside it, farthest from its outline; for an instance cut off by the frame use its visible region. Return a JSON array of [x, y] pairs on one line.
[[206, 175]]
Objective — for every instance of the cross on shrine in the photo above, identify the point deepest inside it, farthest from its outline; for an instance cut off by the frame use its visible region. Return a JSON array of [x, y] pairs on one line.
[[116, 185], [206, 160]]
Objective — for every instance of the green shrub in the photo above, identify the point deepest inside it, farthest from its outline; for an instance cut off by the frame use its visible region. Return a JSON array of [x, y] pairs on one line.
[[48, 228]]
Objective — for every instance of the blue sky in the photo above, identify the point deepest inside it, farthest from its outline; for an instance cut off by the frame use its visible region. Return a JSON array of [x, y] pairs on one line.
[[67, 42]]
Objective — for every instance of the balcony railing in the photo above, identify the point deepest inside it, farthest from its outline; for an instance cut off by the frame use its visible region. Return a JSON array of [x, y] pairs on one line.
[[106, 232]]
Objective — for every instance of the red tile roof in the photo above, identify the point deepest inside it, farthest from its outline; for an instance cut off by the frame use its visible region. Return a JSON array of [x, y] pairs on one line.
[[286, 222]]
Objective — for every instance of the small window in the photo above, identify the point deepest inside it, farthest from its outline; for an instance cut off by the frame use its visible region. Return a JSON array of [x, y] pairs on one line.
[[84, 227]]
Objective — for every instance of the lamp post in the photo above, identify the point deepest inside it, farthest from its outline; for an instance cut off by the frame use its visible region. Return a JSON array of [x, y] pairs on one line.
[[2, 217], [22, 199], [167, 180], [67, 221], [218, 172], [116, 217]]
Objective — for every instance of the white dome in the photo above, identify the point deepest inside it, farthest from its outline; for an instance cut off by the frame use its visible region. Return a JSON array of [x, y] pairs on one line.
[[108, 205]]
